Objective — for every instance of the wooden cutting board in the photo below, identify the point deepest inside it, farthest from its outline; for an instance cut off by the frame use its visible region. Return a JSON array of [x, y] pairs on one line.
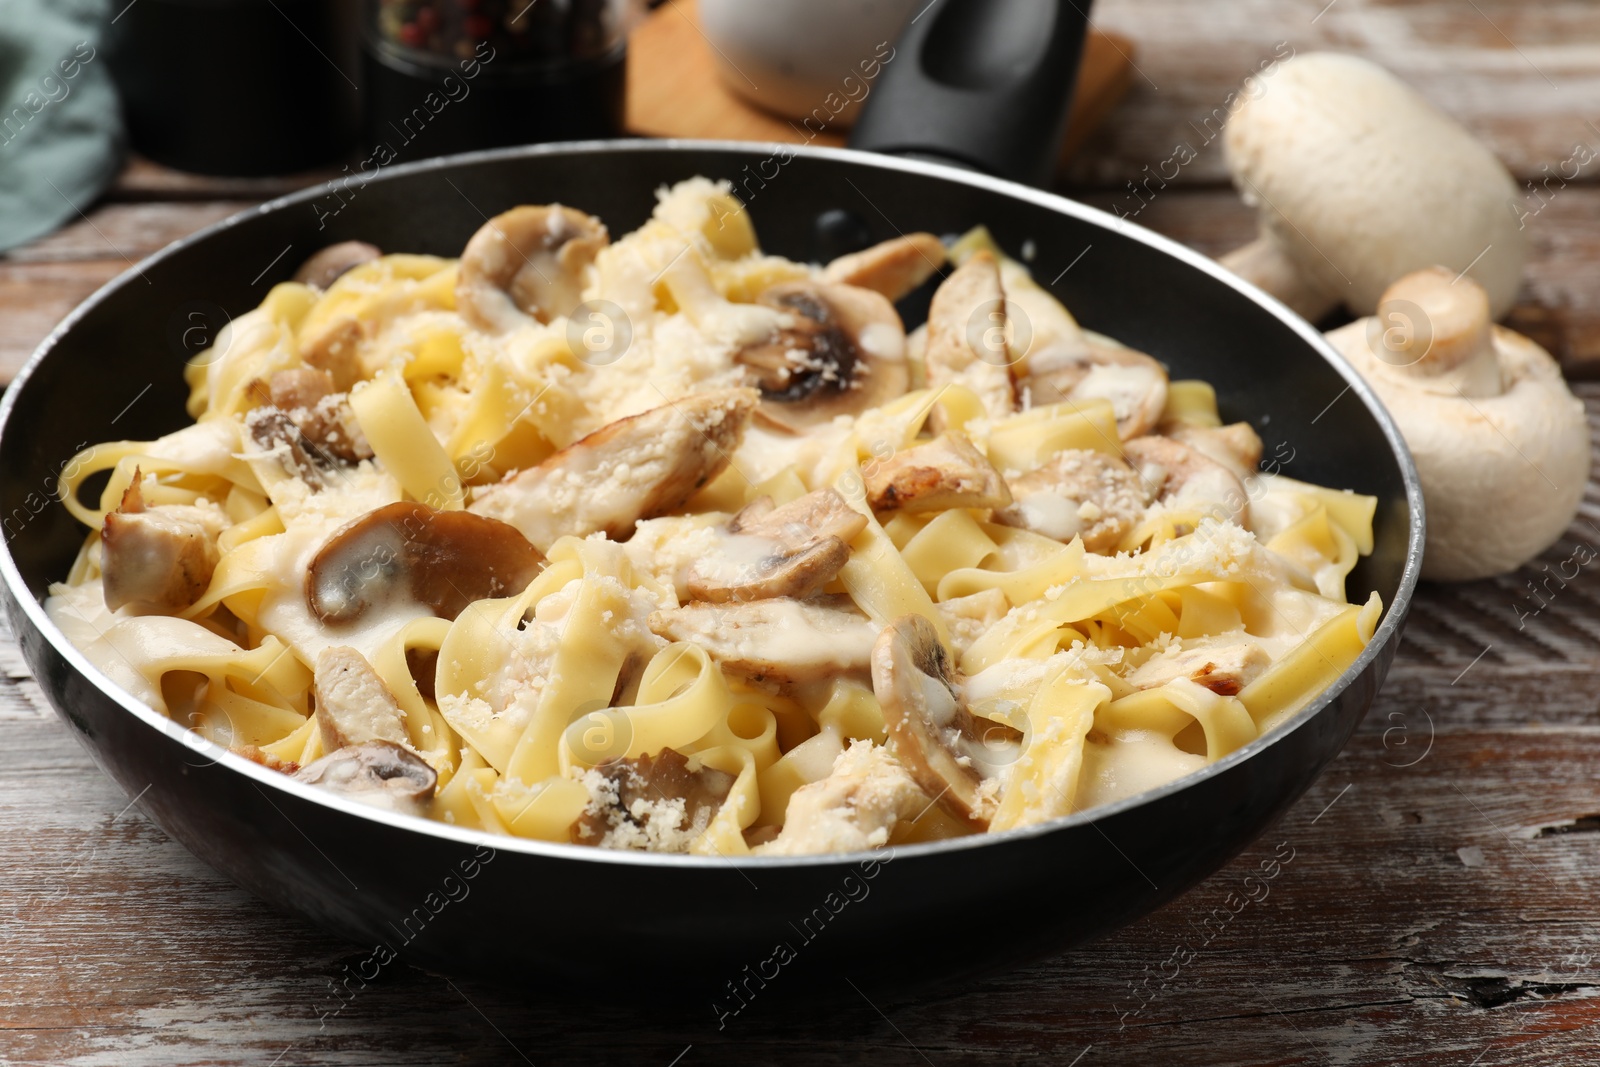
[[674, 91]]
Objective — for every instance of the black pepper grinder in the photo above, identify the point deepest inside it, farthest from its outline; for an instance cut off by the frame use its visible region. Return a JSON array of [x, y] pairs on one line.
[[448, 76]]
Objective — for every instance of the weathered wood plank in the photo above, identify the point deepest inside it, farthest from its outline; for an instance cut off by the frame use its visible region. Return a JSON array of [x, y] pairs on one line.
[[1522, 76]]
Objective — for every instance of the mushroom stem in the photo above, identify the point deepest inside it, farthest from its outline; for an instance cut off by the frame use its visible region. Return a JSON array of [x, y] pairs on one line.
[[1438, 332], [1264, 263]]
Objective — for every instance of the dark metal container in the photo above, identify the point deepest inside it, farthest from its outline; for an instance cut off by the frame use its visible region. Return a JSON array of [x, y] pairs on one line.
[[575, 919]]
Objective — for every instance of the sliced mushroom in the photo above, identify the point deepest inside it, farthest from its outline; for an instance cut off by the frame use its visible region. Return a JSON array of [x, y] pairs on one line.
[[1236, 446], [336, 348], [1134, 383], [411, 553], [952, 754], [778, 640], [1079, 493], [325, 267], [160, 558], [653, 804], [1182, 477], [967, 345], [527, 263], [791, 551], [635, 468], [947, 472], [329, 428], [380, 773], [1223, 668], [842, 352], [856, 807], [893, 267], [353, 704]]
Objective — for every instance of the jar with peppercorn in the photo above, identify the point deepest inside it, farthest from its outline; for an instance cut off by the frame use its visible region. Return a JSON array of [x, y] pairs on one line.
[[453, 75]]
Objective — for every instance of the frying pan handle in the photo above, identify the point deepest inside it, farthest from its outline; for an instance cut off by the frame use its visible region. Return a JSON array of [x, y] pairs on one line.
[[983, 84]]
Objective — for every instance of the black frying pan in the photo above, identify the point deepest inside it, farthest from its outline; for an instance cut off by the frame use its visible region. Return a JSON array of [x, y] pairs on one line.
[[577, 918]]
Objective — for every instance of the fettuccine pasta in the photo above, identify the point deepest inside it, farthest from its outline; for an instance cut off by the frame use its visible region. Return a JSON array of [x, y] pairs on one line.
[[664, 543]]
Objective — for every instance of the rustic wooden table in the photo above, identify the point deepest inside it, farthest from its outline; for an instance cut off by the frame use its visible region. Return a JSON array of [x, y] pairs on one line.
[[1439, 906]]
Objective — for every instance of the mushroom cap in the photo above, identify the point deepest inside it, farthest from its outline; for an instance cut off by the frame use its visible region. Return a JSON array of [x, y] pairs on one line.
[[380, 773], [851, 354], [1502, 473], [442, 560], [1360, 180], [323, 268]]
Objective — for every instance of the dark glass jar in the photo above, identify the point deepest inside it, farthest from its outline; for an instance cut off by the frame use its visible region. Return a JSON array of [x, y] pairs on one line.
[[238, 87], [448, 76]]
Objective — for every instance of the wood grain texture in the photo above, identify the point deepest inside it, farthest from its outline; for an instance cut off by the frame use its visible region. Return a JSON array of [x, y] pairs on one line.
[[1523, 76], [1439, 906]]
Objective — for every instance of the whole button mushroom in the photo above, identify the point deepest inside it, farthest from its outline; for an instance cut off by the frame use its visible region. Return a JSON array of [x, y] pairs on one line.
[[1358, 181], [1501, 445]]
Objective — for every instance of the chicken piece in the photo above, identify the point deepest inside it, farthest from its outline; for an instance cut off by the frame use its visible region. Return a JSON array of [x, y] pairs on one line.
[[1236, 446], [1133, 383], [159, 558], [947, 472], [353, 704], [1182, 477], [1225, 669], [336, 349], [1079, 493], [857, 807], [894, 267], [267, 759], [632, 469], [780, 640], [967, 618], [966, 337], [650, 804], [790, 551]]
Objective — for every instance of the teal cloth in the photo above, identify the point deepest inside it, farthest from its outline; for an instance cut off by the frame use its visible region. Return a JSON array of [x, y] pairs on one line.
[[60, 127]]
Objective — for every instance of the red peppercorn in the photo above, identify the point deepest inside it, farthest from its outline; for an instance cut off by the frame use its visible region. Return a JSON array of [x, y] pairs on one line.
[[479, 27], [428, 21], [412, 34]]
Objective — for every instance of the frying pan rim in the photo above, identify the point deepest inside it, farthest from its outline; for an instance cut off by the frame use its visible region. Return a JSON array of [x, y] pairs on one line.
[[1386, 633]]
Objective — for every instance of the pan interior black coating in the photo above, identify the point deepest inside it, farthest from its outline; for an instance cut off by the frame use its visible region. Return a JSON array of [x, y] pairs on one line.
[[114, 372]]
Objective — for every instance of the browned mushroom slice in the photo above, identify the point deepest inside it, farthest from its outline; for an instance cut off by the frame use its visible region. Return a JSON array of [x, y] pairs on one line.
[[1079, 493], [1182, 477], [1236, 446], [654, 804], [635, 468], [160, 559], [267, 759], [1134, 383], [843, 352], [325, 267], [789, 551], [411, 553], [329, 431], [336, 348], [380, 773], [527, 263], [778, 640], [947, 472], [952, 754], [1223, 668], [299, 387], [857, 806], [353, 704], [893, 267]]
